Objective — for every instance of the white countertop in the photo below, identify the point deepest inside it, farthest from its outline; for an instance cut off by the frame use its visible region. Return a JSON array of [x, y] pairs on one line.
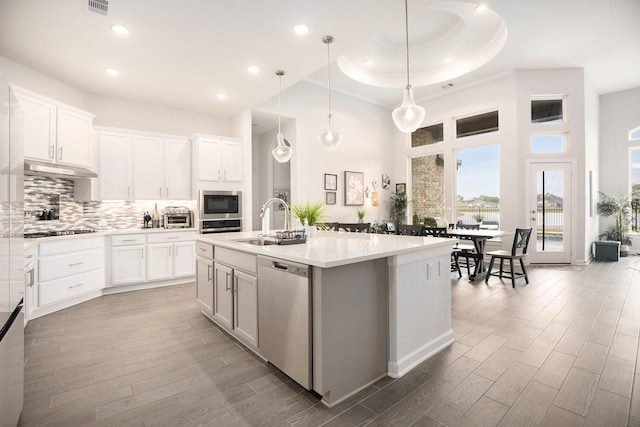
[[330, 248]]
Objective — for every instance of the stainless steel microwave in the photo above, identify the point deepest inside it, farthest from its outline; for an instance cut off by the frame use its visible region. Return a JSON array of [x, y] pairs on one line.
[[220, 204]]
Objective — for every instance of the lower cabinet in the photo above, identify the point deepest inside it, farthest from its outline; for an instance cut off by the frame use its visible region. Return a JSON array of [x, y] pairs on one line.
[[235, 294], [204, 284], [138, 258], [69, 268]]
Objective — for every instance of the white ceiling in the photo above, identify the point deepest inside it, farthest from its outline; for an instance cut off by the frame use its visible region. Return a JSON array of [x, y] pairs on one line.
[[181, 53]]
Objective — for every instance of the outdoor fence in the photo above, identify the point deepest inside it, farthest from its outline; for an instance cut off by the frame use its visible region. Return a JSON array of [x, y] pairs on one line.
[[551, 218]]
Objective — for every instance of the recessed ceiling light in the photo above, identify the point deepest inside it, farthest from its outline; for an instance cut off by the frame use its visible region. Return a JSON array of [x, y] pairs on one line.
[[368, 63], [120, 29], [481, 8], [221, 95], [301, 29], [112, 72], [447, 59], [253, 69]]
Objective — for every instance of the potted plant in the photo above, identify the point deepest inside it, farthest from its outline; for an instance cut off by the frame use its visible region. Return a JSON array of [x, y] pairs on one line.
[[361, 213], [399, 203], [618, 207], [478, 217], [309, 214]]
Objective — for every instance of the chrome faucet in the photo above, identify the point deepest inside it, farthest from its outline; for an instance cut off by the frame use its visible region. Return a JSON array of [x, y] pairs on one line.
[[283, 203]]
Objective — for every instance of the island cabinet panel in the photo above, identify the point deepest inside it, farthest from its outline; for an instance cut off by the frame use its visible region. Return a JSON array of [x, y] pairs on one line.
[[204, 284], [354, 312], [223, 295], [245, 308]]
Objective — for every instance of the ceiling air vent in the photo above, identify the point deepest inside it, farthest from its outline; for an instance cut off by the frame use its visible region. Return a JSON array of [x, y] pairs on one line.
[[99, 6]]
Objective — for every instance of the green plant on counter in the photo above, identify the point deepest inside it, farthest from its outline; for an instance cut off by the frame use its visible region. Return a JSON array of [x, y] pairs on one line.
[[478, 217], [361, 213], [311, 212]]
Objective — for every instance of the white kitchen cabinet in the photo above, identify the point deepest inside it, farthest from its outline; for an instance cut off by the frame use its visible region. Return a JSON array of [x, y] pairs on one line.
[[30, 294], [218, 160], [223, 295], [170, 255], [114, 174], [204, 277], [245, 288], [136, 166], [236, 294], [54, 132], [177, 169], [68, 268], [128, 259]]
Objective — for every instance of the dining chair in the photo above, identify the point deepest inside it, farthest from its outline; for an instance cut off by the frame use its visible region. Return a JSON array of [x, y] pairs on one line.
[[435, 231], [518, 251], [410, 230], [359, 227]]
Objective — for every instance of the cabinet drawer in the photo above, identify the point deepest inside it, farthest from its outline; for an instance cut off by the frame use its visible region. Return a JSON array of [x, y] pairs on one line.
[[127, 239], [54, 267], [70, 244], [204, 250], [237, 259], [67, 287], [170, 237]]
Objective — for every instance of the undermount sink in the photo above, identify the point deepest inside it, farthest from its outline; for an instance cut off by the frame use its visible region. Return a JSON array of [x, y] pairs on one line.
[[257, 242]]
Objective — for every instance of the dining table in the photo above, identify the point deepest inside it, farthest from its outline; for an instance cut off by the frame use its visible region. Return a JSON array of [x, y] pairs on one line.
[[479, 239]]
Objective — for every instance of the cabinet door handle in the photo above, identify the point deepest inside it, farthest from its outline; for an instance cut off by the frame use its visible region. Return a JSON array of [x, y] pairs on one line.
[[209, 271], [129, 240], [75, 263], [60, 153], [173, 237], [218, 174], [167, 192], [227, 281], [51, 151], [177, 250], [75, 286], [142, 253], [224, 174], [128, 191], [160, 191]]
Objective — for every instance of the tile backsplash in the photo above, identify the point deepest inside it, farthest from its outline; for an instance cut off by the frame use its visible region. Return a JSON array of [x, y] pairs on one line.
[[40, 194]]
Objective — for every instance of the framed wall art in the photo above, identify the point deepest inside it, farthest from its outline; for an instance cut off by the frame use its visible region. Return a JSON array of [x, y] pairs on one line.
[[330, 198], [353, 188], [330, 182], [401, 188]]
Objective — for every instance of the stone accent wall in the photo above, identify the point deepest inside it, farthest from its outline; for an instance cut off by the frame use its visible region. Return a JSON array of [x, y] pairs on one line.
[[104, 215], [427, 177]]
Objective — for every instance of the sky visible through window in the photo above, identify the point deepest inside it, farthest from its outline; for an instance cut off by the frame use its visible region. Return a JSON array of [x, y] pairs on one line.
[[635, 166], [479, 172]]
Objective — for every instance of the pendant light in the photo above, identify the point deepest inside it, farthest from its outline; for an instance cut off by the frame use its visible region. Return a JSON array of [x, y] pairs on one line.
[[408, 116], [282, 152], [329, 138]]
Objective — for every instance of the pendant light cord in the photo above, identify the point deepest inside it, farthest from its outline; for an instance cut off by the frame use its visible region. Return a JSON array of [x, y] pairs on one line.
[[280, 73], [329, 75], [406, 28]]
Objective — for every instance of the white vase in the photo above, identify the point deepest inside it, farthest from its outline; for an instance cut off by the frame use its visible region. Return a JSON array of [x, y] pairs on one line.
[[311, 230]]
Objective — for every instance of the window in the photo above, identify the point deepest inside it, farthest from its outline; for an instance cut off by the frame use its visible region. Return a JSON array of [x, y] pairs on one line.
[[427, 187], [634, 155], [547, 143], [547, 111], [478, 186], [634, 134], [427, 135], [475, 125]]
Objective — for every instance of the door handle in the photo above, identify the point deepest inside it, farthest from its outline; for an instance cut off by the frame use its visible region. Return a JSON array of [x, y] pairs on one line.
[[60, 150], [227, 281], [52, 151], [209, 271]]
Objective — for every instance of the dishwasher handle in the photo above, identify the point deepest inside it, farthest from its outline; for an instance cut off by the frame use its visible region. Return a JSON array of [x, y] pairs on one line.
[[280, 266]]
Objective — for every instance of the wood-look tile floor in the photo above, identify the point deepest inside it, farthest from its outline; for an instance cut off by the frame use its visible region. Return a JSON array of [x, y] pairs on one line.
[[561, 351]]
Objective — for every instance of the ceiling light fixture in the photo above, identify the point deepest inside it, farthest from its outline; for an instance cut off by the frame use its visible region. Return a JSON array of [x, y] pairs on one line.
[[301, 29], [112, 72], [253, 69], [481, 8], [221, 95], [447, 59], [368, 62], [408, 116], [282, 152], [120, 29], [329, 138]]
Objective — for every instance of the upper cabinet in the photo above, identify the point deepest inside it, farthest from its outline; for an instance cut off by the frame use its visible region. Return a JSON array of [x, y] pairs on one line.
[[217, 163], [54, 132], [136, 166]]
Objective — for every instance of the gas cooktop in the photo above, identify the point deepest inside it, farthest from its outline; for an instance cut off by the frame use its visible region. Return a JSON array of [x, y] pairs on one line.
[[56, 233]]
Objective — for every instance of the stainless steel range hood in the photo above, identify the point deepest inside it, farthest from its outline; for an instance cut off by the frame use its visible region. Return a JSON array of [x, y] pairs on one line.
[[33, 167]]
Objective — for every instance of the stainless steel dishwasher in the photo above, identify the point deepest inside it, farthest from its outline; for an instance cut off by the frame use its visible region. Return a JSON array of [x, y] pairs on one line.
[[284, 313]]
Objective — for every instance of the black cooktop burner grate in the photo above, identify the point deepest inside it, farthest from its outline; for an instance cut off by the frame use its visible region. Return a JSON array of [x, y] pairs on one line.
[[39, 234]]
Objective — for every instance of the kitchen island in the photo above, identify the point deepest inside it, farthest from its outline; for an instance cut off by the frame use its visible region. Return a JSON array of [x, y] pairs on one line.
[[379, 304]]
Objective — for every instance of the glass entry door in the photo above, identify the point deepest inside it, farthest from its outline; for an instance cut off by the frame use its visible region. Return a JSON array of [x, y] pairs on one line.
[[550, 213]]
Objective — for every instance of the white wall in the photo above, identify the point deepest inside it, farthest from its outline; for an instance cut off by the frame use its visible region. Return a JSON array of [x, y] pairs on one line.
[[121, 113], [592, 155], [367, 146]]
